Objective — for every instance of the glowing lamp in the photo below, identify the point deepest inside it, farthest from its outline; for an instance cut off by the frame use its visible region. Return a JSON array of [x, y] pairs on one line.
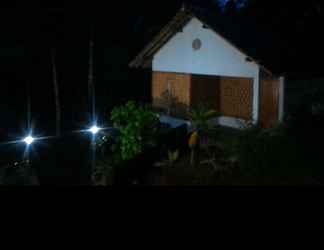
[[94, 130], [29, 140]]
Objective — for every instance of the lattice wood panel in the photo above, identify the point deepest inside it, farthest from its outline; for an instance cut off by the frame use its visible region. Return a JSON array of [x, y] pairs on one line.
[[171, 90], [236, 97]]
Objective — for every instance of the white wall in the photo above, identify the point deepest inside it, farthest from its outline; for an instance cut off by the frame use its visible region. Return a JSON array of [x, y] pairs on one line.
[[216, 57]]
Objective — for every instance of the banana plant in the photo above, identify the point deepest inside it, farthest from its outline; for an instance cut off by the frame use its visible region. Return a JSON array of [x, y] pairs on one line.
[[200, 117]]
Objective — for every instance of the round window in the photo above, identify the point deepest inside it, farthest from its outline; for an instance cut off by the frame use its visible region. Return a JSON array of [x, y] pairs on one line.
[[196, 44]]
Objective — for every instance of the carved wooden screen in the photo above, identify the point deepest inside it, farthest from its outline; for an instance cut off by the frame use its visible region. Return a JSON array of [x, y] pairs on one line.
[[171, 91], [236, 97]]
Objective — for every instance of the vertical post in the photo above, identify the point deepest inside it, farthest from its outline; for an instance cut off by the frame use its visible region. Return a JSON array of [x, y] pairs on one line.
[[93, 157], [92, 101], [256, 98], [28, 106], [56, 95], [91, 88], [169, 97], [281, 99], [29, 125], [27, 158]]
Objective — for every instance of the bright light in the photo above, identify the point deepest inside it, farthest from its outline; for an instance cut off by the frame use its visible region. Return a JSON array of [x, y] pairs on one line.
[[29, 140], [94, 130]]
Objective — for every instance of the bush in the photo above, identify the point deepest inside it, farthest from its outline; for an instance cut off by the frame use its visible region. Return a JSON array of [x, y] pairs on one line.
[[142, 140], [18, 174], [124, 148], [270, 156], [137, 126]]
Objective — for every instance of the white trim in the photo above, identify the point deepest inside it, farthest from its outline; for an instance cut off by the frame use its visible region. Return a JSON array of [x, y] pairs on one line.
[[281, 99], [256, 99]]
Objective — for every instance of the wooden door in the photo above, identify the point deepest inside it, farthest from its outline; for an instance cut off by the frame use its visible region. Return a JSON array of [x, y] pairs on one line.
[[205, 91], [269, 102]]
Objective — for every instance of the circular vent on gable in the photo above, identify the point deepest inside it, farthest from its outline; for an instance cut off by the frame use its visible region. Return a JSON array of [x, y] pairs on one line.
[[196, 44]]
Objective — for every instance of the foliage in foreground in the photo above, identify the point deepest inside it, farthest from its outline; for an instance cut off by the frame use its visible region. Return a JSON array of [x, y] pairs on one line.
[[254, 156], [272, 156], [137, 126], [18, 174], [140, 142]]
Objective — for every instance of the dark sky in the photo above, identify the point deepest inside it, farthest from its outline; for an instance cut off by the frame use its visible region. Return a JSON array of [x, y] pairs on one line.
[[28, 34]]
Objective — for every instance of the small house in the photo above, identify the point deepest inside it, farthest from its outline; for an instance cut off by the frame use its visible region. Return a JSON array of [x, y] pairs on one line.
[[195, 62]]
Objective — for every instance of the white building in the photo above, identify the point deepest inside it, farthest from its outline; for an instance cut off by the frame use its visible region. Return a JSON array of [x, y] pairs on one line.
[[192, 63]]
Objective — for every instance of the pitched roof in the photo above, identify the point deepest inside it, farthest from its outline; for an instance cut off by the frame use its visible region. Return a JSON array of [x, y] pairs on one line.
[[247, 37]]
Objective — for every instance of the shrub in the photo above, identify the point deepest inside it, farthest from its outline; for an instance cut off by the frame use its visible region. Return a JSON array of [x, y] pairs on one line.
[[137, 126], [269, 156], [18, 174]]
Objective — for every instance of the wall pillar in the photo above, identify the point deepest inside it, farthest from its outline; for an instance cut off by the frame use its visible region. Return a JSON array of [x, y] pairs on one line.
[[256, 99], [281, 99]]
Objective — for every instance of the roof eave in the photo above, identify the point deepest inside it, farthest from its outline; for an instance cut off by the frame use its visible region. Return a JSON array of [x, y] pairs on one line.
[[169, 30]]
